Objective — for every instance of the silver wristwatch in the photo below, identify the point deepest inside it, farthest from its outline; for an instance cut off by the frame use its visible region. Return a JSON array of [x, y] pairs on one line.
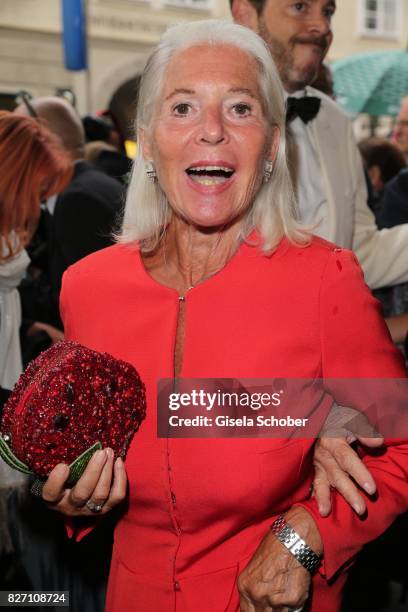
[[295, 544]]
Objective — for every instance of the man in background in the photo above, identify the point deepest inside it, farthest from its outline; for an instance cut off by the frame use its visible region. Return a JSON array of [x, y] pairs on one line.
[[325, 162]]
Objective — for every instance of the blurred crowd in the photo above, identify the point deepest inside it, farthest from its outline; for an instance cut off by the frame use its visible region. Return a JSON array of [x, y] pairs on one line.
[[57, 209]]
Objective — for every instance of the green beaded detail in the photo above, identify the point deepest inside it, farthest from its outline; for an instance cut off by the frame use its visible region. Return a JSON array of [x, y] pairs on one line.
[[9, 457], [76, 469]]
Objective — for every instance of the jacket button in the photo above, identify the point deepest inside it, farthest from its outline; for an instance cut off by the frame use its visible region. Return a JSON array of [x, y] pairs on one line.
[[173, 498], [176, 586]]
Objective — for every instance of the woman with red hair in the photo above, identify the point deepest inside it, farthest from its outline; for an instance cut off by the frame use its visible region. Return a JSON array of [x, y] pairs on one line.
[[34, 166]]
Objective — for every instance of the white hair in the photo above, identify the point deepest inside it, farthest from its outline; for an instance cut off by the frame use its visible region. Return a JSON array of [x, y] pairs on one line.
[[273, 211]]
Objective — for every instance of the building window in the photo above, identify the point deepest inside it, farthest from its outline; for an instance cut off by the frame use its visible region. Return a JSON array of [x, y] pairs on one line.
[[380, 18], [206, 5]]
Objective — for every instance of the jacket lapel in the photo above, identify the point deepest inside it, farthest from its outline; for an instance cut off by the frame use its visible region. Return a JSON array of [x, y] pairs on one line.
[[324, 139]]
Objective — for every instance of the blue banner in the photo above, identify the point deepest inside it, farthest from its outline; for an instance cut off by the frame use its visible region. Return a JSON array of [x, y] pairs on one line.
[[74, 34]]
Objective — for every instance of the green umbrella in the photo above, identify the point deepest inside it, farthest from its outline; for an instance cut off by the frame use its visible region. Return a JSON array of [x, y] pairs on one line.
[[372, 83]]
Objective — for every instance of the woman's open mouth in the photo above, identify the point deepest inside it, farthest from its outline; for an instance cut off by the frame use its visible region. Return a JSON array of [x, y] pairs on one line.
[[210, 175]]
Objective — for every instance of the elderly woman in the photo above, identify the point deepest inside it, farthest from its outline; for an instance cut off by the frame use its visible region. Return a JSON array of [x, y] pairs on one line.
[[213, 277]]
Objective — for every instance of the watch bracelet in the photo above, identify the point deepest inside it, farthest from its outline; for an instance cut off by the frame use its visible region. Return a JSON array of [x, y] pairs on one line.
[[295, 544]]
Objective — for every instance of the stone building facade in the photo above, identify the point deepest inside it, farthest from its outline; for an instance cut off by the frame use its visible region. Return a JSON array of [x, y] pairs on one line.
[[121, 34]]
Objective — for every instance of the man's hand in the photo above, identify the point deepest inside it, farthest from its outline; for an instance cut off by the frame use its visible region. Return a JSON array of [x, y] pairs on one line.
[[274, 580], [103, 483], [337, 465]]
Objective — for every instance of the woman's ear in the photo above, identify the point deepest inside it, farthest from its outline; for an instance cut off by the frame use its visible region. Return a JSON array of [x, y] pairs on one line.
[[145, 144], [275, 142]]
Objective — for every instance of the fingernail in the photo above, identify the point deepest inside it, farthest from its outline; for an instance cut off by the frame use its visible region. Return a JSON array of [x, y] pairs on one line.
[[358, 508], [367, 486], [109, 453], [62, 467], [99, 455], [119, 462], [323, 511]]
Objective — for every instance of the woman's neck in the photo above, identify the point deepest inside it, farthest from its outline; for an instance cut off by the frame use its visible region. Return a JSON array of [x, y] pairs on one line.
[[187, 255]]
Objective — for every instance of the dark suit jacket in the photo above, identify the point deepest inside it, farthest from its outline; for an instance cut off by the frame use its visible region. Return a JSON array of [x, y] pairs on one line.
[[394, 209], [86, 213], [115, 164]]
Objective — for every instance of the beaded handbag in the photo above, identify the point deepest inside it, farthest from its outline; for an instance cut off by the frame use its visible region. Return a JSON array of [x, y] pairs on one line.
[[70, 402]]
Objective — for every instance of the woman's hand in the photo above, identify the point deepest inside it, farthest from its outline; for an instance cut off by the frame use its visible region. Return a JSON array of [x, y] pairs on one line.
[[103, 483], [274, 580], [336, 463]]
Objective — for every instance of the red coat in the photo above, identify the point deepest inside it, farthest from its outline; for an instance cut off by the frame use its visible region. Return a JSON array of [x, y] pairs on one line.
[[198, 508]]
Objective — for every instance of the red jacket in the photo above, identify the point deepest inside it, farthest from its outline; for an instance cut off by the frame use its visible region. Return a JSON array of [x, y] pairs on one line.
[[198, 508]]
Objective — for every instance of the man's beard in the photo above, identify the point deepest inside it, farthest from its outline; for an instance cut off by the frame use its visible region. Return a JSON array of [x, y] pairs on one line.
[[292, 78]]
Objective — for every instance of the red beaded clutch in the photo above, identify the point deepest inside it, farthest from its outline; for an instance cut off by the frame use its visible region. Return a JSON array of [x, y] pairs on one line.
[[70, 402]]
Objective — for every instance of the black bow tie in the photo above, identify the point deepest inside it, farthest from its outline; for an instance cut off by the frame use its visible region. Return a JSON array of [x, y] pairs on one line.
[[306, 108]]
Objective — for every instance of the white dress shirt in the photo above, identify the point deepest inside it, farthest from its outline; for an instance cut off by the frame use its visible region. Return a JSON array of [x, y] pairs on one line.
[[306, 173]]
